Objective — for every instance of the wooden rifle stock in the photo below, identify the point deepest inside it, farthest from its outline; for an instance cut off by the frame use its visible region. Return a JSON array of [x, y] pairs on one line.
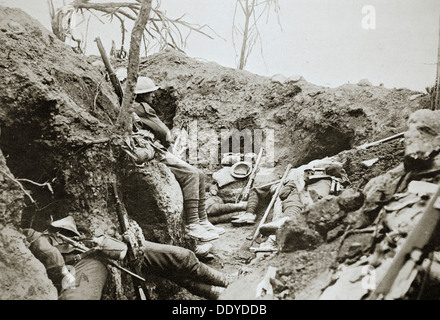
[[124, 222], [84, 249], [111, 73], [421, 240]]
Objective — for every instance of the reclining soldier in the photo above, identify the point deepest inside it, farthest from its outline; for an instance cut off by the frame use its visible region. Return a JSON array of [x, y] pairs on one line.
[[318, 183], [215, 205], [80, 275], [290, 202], [156, 135]]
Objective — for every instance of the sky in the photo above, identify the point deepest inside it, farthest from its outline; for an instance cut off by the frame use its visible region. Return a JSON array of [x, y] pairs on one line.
[[328, 42]]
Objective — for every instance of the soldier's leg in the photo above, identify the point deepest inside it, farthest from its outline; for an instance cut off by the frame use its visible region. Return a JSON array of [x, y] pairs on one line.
[[189, 179], [254, 198], [203, 215], [218, 209], [177, 263], [291, 211], [91, 276]]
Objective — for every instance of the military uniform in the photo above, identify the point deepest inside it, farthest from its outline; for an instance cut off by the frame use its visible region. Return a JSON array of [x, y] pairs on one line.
[[62, 261], [177, 264]]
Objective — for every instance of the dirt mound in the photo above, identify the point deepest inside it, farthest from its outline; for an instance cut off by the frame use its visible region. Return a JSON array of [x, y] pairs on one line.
[[57, 117], [307, 121]]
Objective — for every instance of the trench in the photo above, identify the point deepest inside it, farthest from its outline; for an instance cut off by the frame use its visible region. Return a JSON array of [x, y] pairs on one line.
[[326, 143]]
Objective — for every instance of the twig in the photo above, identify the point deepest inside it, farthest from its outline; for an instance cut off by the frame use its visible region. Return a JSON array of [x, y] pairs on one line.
[[98, 90], [87, 32], [46, 184], [169, 29], [20, 185], [41, 209]]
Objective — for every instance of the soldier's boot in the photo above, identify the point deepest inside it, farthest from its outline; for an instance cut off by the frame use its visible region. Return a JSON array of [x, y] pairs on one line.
[[203, 290], [272, 227], [211, 276], [193, 227], [204, 222], [203, 250]]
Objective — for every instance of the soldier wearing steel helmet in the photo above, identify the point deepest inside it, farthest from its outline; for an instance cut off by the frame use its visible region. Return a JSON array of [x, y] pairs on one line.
[[82, 275], [76, 276], [190, 178]]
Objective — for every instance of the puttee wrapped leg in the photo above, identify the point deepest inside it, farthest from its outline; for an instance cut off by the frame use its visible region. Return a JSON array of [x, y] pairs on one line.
[[211, 276]]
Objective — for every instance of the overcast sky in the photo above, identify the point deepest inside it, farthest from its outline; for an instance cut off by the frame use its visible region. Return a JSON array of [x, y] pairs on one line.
[[325, 41]]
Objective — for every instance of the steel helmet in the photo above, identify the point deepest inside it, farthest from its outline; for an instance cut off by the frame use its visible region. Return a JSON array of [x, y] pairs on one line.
[[66, 223], [241, 169], [144, 85]]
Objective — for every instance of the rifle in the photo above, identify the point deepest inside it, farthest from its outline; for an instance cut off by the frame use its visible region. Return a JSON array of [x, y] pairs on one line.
[[124, 222], [404, 267], [243, 196], [84, 249], [272, 201], [371, 144], [111, 73]]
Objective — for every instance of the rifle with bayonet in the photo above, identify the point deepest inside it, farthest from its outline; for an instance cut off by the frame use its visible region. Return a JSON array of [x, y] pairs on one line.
[[142, 289], [111, 73], [87, 251], [422, 240], [243, 196]]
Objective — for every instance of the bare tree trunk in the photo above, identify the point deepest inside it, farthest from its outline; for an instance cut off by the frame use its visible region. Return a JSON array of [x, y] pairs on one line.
[[124, 122], [245, 37]]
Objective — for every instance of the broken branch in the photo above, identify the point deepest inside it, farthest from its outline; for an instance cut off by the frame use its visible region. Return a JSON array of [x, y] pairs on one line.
[[20, 185], [88, 141], [106, 5], [46, 184]]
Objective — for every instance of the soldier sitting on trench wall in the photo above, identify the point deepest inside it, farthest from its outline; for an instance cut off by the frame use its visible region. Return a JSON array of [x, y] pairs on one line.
[[154, 136]]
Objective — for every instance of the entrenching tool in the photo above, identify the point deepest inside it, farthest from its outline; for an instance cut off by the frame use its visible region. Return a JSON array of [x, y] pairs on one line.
[[371, 144]]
